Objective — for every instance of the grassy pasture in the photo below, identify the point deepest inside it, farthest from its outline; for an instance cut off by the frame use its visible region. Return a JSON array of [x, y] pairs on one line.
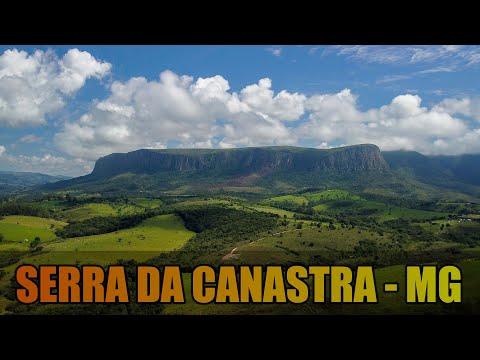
[[160, 233], [146, 203], [290, 199], [154, 235], [18, 228], [380, 210], [197, 202], [332, 195], [88, 211], [273, 210], [292, 244]]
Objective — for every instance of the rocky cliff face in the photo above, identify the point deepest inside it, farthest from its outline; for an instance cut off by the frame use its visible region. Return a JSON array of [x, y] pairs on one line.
[[356, 158]]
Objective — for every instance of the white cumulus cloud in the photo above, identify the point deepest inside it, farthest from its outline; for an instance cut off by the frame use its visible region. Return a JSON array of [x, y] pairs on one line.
[[283, 106], [179, 109], [402, 124], [34, 85], [45, 164], [466, 106]]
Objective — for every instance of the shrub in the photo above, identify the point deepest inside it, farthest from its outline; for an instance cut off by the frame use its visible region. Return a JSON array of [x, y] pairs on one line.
[[35, 243]]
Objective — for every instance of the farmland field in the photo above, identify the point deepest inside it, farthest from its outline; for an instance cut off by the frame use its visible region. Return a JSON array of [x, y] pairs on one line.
[[20, 228], [160, 233]]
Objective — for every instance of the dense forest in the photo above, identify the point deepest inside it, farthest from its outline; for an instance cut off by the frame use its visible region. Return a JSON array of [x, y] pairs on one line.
[[20, 208], [219, 227]]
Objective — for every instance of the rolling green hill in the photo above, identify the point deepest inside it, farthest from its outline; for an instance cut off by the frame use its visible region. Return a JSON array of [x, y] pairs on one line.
[[457, 172], [332, 195]]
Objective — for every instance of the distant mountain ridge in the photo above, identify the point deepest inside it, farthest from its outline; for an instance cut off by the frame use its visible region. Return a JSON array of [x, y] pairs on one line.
[[463, 168], [243, 160], [280, 169], [15, 180]]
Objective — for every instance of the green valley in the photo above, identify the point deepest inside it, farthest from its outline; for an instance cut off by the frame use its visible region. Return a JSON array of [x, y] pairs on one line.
[[256, 206]]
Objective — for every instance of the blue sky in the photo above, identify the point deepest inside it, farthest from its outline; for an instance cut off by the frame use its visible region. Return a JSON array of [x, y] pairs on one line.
[[62, 107]]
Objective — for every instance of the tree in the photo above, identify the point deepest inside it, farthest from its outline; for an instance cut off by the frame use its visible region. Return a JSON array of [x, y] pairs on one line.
[[35, 242]]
